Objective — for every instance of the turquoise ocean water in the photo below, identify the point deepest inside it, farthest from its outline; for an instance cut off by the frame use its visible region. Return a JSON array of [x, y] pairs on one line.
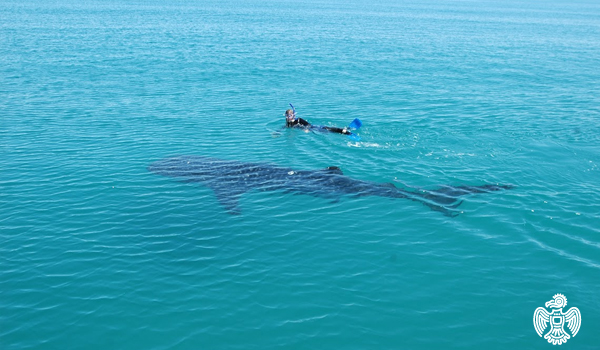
[[98, 253]]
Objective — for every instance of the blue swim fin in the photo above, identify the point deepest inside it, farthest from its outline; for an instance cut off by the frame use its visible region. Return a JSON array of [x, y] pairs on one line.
[[354, 137], [356, 124]]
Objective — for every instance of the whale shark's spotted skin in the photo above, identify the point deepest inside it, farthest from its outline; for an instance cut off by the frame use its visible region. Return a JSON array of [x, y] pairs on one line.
[[230, 179]]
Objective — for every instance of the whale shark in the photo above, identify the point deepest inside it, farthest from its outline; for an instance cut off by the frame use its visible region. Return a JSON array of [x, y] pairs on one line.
[[230, 179]]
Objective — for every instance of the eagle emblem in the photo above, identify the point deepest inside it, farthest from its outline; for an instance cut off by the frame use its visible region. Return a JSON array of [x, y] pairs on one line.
[[557, 335]]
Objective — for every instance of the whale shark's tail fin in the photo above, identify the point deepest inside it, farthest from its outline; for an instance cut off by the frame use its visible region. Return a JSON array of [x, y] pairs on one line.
[[447, 198]]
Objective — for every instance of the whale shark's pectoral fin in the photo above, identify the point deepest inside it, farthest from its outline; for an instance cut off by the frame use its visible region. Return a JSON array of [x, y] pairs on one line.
[[229, 198]]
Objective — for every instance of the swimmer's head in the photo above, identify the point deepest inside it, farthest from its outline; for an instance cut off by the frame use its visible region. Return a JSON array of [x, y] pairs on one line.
[[290, 115]]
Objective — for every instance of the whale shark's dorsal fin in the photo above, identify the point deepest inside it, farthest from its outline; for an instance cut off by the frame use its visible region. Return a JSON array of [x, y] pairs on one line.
[[334, 170]]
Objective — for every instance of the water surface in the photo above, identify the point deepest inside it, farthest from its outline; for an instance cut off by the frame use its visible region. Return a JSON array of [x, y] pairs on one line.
[[97, 252]]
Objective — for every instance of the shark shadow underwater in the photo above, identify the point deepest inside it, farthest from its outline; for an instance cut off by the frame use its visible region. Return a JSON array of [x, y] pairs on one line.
[[230, 179]]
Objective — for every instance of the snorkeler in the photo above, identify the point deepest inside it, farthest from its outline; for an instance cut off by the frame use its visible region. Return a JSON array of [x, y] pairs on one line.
[[292, 121]]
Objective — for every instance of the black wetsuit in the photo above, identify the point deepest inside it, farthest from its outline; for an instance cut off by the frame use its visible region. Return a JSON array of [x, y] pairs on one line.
[[297, 122], [303, 123]]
